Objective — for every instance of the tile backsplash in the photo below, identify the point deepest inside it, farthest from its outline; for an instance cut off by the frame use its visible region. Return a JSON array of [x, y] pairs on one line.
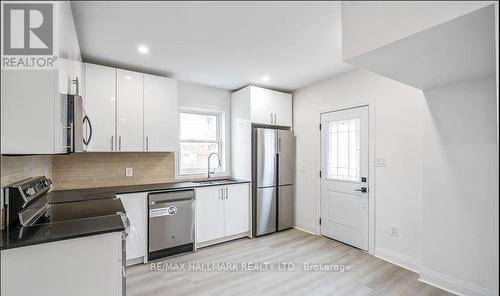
[[16, 168], [88, 170]]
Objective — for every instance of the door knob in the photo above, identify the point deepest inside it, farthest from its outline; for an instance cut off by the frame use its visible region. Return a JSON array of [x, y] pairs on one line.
[[362, 189]]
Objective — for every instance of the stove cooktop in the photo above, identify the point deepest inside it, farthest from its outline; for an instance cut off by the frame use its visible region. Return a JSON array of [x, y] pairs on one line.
[[80, 210]]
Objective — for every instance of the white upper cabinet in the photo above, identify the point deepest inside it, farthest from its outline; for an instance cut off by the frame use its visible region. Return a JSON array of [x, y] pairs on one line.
[[129, 110], [100, 106], [252, 105], [268, 107], [161, 122]]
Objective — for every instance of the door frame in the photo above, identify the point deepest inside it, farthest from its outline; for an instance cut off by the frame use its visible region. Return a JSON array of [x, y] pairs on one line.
[[371, 169]]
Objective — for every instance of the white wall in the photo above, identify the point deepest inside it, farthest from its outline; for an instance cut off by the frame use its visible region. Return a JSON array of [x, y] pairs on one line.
[[196, 96], [398, 139], [460, 187], [385, 22]]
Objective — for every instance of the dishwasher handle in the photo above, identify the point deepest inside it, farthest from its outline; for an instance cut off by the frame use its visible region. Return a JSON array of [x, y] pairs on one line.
[[156, 202], [170, 196]]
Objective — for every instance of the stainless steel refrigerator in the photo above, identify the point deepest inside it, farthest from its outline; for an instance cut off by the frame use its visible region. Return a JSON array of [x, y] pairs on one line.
[[273, 177]]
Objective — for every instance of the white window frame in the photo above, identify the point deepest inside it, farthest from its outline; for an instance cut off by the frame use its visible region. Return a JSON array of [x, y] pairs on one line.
[[220, 115]]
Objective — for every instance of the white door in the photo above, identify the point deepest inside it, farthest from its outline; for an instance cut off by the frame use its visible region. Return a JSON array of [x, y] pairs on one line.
[[135, 205], [209, 213], [344, 178], [237, 210], [129, 111], [161, 121], [100, 106]]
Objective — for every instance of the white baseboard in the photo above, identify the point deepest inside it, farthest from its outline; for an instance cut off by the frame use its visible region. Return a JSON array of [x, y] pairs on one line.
[[222, 240], [398, 259], [452, 284], [308, 231]]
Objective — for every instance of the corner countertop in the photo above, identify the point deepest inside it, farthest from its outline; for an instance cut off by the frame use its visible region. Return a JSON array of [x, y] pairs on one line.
[[15, 237]]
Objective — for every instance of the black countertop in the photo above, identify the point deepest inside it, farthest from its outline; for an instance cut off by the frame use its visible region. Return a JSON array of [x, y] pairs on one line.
[[111, 192], [16, 237], [76, 202]]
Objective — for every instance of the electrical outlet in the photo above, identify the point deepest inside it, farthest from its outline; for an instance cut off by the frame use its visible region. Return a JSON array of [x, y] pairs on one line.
[[129, 172], [394, 231]]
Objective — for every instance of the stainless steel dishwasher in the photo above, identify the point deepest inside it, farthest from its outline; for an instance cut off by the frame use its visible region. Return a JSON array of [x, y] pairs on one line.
[[171, 223]]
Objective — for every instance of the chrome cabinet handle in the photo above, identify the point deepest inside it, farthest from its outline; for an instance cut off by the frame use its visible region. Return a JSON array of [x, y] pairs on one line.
[[226, 194], [71, 138], [279, 145], [120, 143], [221, 194], [112, 143], [271, 118], [274, 118], [147, 143]]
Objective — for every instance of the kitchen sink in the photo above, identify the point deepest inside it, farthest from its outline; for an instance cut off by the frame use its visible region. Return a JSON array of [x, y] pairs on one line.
[[215, 182]]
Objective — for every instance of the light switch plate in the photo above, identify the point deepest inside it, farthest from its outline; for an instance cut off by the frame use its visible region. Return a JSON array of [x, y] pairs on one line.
[[380, 162], [129, 172], [394, 231]]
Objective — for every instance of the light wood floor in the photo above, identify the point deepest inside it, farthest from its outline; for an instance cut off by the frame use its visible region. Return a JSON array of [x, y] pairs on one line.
[[368, 275]]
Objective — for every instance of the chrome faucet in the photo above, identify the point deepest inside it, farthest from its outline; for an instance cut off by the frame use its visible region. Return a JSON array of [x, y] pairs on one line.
[[212, 172]]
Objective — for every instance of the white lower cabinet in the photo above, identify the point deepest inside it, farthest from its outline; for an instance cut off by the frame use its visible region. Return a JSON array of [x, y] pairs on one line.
[[237, 210], [135, 205], [83, 266], [209, 213], [222, 212]]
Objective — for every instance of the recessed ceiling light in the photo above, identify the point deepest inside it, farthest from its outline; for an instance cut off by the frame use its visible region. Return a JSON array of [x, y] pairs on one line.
[[142, 49], [265, 78]]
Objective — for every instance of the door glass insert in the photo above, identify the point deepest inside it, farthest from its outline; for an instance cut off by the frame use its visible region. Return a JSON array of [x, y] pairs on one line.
[[343, 152]]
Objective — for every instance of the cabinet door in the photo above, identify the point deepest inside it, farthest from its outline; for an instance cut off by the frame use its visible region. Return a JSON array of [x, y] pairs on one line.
[[135, 207], [209, 213], [270, 107], [237, 212], [260, 105], [161, 121], [282, 108], [129, 111], [100, 106]]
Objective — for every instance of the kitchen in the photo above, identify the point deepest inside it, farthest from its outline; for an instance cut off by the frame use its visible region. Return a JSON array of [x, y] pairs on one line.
[[166, 153]]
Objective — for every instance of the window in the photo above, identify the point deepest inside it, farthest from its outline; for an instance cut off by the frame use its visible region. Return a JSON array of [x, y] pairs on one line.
[[343, 150], [200, 135]]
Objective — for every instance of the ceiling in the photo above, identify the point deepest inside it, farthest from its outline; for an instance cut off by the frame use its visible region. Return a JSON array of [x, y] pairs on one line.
[[221, 44], [460, 49]]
